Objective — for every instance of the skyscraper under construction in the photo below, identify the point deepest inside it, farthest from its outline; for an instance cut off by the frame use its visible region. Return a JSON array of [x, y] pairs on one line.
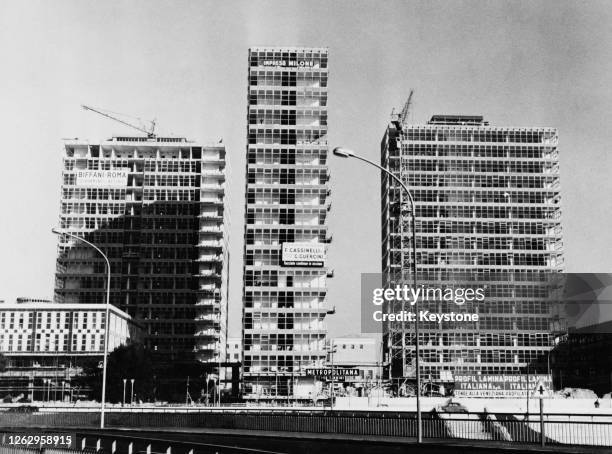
[[487, 212], [156, 207], [287, 203]]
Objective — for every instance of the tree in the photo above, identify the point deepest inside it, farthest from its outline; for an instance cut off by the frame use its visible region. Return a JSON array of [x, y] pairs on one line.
[[125, 362]]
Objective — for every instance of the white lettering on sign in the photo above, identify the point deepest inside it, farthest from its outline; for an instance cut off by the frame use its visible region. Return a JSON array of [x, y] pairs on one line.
[[303, 254], [333, 372], [288, 63], [498, 385]]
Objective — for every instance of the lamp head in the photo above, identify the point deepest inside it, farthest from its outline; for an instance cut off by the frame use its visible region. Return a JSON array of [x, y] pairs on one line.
[[343, 152], [56, 231]]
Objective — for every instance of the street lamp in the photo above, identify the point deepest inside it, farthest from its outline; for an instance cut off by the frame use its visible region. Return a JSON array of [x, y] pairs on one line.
[[106, 319], [124, 382], [346, 153], [132, 393]]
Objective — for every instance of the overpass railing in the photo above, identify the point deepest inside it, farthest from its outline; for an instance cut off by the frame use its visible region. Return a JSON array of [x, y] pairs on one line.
[[555, 429]]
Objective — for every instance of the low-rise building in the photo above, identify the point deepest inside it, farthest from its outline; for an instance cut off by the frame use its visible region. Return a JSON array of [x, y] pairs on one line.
[[45, 344], [234, 349], [359, 352]]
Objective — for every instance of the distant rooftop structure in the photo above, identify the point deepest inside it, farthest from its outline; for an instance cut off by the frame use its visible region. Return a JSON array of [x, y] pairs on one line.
[[147, 139], [24, 299], [357, 337], [470, 120]]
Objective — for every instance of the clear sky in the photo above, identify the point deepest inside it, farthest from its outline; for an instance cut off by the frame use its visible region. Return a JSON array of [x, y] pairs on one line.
[[536, 63]]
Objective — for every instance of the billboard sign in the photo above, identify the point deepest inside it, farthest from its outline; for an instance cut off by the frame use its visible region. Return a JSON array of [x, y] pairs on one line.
[[323, 372], [472, 385], [303, 254], [102, 178], [289, 63]]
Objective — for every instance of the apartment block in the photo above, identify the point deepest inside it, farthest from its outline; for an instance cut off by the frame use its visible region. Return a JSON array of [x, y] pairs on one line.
[[46, 344], [66, 328], [157, 208], [488, 213], [287, 205]]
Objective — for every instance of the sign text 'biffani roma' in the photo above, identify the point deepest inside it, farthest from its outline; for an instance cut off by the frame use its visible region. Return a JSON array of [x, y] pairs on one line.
[[102, 178]]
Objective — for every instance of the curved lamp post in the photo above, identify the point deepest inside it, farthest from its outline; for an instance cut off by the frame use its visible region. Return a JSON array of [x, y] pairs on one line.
[[106, 319], [346, 153]]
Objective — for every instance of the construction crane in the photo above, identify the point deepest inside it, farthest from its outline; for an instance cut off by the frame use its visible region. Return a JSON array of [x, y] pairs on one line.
[[149, 132], [399, 119], [406, 109]]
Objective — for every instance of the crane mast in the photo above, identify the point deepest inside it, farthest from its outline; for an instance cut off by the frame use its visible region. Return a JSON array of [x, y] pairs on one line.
[[406, 109], [398, 119]]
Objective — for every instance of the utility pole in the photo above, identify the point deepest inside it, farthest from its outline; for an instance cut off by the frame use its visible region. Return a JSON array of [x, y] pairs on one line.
[[332, 350], [294, 381], [528, 389], [187, 396], [542, 428]]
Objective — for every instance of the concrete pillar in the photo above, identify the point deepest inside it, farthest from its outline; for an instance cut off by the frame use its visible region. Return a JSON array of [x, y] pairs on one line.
[[131, 448], [114, 447]]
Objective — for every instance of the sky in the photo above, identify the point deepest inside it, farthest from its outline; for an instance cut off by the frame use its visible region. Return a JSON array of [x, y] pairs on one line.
[[184, 63]]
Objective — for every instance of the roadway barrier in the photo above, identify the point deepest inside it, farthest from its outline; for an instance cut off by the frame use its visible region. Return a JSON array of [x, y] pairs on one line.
[[595, 430]]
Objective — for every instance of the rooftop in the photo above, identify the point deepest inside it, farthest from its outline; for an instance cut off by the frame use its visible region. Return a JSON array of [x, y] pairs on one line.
[[144, 141], [288, 48], [50, 306], [363, 338], [475, 120]]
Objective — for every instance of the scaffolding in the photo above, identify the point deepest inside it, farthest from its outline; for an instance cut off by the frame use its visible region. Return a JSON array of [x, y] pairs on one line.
[[488, 201]]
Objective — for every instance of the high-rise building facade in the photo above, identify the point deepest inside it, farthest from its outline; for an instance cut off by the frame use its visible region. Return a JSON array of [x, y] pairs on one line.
[[488, 212], [155, 207], [287, 204]]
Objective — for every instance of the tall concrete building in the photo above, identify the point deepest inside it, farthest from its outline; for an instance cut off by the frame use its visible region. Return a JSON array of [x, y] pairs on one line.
[[488, 213], [287, 203], [156, 207]]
